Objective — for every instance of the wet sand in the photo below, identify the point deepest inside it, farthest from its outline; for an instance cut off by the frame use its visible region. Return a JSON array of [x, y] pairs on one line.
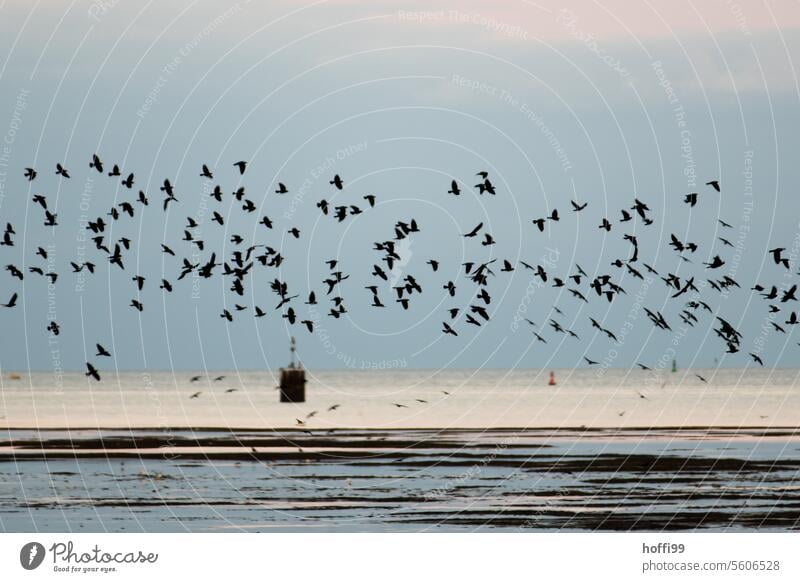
[[400, 480]]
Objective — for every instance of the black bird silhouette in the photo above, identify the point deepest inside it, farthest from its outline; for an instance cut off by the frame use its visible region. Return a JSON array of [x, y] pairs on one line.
[[640, 207], [11, 302], [486, 186], [15, 272], [101, 351], [116, 257], [776, 256], [474, 231], [393, 262], [92, 372]]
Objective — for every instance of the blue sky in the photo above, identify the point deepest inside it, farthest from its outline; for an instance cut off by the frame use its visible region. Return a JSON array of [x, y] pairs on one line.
[[597, 103]]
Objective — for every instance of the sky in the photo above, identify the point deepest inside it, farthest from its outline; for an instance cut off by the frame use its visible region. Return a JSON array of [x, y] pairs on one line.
[[598, 102]]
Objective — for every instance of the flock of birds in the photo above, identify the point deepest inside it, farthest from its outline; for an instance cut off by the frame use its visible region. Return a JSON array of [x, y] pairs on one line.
[[383, 290]]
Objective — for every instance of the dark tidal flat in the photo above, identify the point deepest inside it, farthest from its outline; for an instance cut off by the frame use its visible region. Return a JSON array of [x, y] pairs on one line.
[[400, 480]]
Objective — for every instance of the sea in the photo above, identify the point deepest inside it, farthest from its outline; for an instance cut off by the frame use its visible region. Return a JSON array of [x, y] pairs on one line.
[[402, 450]]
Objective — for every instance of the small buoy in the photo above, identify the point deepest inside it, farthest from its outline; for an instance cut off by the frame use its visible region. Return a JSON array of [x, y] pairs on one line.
[[552, 381]]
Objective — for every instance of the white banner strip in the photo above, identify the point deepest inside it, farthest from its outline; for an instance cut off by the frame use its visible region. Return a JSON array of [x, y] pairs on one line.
[[401, 557]]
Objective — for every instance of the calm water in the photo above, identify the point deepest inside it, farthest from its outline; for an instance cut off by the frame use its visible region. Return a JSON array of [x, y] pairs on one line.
[[453, 398], [613, 451], [410, 480]]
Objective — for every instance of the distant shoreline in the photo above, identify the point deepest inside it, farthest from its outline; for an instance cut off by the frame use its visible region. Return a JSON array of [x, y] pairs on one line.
[[312, 369], [531, 430]]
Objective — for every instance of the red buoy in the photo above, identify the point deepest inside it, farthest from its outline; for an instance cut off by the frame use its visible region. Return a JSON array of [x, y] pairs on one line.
[[552, 381]]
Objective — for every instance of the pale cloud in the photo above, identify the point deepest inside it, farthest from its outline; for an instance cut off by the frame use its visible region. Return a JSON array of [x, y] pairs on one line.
[[606, 19]]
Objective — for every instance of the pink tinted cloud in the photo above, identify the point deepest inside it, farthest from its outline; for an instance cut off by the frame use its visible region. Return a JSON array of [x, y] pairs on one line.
[[605, 19]]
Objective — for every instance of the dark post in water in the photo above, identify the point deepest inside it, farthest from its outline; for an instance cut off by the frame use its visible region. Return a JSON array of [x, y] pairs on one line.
[[293, 380]]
